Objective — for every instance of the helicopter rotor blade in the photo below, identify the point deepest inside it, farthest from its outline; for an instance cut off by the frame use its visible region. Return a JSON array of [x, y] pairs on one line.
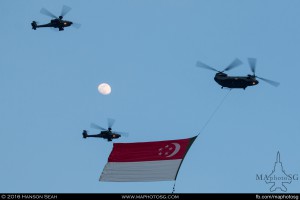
[[233, 64], [110, 122], [65, 9], [44, 11], [252, 64], [97, 127], [76, 25], [205, 66], [273, 83]]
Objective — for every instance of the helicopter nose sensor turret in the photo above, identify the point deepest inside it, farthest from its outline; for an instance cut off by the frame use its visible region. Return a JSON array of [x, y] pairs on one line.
[[255, 82]]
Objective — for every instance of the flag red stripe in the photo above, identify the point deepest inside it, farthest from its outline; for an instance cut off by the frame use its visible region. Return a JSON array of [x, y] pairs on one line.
[[149, 151]]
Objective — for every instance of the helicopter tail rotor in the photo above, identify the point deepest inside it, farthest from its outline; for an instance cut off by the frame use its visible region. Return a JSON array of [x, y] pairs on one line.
[[34, 25], [84, 134]]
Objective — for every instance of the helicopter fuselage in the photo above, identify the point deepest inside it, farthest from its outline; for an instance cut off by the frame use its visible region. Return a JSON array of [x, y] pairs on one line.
[[109, 135], [55, 23], [235, 81]]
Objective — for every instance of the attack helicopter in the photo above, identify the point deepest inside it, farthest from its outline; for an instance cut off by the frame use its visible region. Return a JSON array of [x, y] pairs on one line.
[[56, 22], [107, 134], [237, 81]]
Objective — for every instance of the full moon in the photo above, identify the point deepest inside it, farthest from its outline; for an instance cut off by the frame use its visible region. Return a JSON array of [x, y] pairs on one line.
[[104, 88]]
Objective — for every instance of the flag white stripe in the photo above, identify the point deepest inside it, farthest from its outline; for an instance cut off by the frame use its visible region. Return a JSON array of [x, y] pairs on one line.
[[163, 170]]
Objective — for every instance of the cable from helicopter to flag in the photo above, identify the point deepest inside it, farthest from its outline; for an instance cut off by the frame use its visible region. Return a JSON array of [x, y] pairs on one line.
[[214, 112], [206, 123]]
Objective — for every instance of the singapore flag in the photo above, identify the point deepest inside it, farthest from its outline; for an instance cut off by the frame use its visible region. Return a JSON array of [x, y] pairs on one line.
[[146, 161]]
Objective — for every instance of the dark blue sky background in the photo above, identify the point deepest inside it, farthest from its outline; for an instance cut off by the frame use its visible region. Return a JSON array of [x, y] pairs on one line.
[[147, 51]]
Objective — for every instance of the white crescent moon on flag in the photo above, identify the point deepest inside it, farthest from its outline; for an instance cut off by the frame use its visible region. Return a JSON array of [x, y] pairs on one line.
[[177, 148]]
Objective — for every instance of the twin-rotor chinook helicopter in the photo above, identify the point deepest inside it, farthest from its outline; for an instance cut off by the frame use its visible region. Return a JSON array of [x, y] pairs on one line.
[[107, 134], [237, 81], [56, 22]]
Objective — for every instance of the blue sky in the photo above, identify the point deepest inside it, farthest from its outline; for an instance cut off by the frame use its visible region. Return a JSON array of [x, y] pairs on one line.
[[147, 51]]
